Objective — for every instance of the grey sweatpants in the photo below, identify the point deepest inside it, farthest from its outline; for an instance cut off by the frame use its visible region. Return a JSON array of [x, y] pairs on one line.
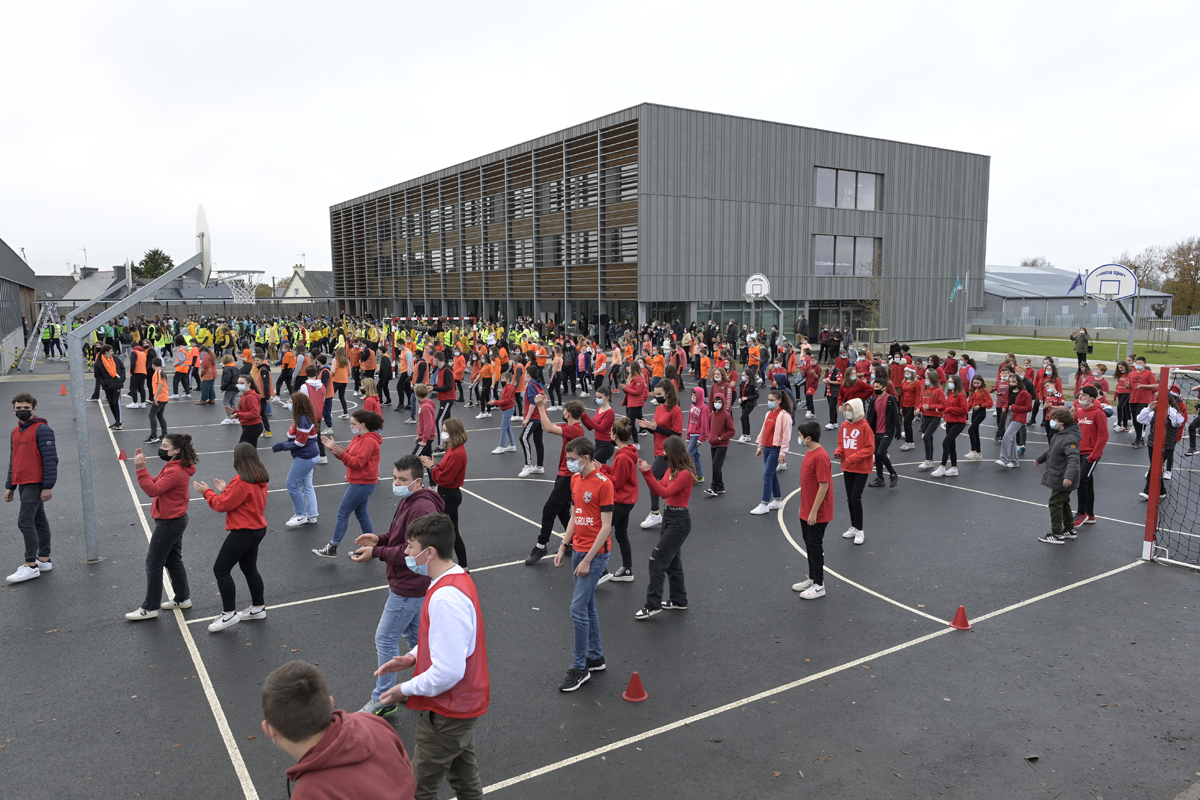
[[1008, 447]]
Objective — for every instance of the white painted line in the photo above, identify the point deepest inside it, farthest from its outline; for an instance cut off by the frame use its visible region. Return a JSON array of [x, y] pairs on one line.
[[385, 438], [235, 755], [843, 578], [1076, 585]]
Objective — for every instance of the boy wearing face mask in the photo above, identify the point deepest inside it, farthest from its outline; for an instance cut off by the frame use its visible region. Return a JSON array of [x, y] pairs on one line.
[[32, 473], [1062, 475], [1093, 436], [1142, 388], [407, 583]]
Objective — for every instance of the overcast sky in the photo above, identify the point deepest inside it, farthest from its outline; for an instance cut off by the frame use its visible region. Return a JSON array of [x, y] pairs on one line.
[[118, 119]]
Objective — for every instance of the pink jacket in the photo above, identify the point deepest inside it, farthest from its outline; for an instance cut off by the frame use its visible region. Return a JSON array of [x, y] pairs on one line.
[[783, 433], [426, 431], [698, 416]]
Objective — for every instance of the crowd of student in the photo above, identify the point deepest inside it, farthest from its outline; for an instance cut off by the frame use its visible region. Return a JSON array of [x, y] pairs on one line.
[[873, 400]]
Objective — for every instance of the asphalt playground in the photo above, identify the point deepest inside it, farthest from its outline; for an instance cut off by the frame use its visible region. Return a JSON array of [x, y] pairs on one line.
[[1076, 680]]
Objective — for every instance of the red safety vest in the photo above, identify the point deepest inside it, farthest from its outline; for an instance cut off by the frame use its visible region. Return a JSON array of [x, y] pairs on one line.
[[26, 458], [469, 697]]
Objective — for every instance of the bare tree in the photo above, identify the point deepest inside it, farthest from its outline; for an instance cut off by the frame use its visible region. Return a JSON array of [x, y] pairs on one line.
[[1146, 265], [1036, 261]]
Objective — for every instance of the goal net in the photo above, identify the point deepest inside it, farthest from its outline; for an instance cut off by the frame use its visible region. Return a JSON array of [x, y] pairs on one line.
[[1173, 518]]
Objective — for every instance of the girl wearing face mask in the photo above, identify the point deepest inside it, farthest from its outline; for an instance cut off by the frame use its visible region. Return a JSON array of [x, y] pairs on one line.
[[449, 476], [249, 409], [302, 444], [933, 400], [171, 492], [978, 402], [361, 457], [636, 391], [748, 398], [602, 424], [1019, 403], [668, 421], [244, 503], [720, 434], [697, 429], [1124, 374], [773, 442], [1143, 386], [954, 410], [1046, 380]]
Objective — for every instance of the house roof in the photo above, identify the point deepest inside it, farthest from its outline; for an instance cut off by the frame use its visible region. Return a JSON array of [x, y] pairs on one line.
[[319, 283], [1037, 282], [14, 268], [52, 288]]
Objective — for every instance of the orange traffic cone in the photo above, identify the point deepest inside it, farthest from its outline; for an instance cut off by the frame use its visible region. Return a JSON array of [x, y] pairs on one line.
[[960, 620], [64, 389], [121, 456], [634, 693]]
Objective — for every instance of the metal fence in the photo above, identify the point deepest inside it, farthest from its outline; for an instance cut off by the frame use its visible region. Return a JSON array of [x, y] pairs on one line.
[[220, 308], [1092, 321]]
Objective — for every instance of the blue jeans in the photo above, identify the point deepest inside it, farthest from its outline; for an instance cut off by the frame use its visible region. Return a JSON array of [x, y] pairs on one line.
[[506, 429], [401, 617], [583, 610], [356, 500], [694, 452], [300, 487], [207, 392], [771, 490]]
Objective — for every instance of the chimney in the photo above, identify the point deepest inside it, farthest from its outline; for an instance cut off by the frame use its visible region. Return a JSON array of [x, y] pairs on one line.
[[299, 270], [87, 272]]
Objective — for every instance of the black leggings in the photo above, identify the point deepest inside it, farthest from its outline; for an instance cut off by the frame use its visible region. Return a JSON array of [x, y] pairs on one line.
[[1087, 485], [385, 391], [928, 426], [659, 468], [1134, 410], [570, 382], [240, 548], [453, 499], [137, 387], [882, 461], [977, 418], [604, 451], [1123, 415], [718, 462], [908, 424], [634, 413], [832, 399], [953, 429], [340, 390], [266, 418], [555, 390], [250, 433], [485, 393], [747, 410], [620, 528], [284, 379], [855, 483]]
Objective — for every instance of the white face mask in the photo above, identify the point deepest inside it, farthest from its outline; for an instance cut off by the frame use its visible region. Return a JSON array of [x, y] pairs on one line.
[[445, 436], [1141, 367], [1054, 424], [717, 406], [1095, 373], [242, 387], [928, 383]]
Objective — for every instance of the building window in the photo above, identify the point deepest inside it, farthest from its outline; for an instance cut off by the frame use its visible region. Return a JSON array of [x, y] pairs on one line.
[[843, 188], [580, 248], [857, 256], [521, 203], [522, 254], [622, 245], [295, 292]]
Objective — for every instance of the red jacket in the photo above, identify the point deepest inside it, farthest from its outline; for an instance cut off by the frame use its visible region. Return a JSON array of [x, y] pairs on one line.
[[243, 504], [623, 475], [856, 446], [361, 458], [1021, 406], [450, 473], [361, 755], [170, 489], [1093, 431], [635, 392], [910, 394], [933, 399], [372, 404], [249, 408], [507, 397], [720, 428], [955, 408]]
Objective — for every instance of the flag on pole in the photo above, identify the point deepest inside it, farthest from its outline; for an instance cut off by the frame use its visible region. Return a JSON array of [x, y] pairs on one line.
[[957, 287], [1077, 283]]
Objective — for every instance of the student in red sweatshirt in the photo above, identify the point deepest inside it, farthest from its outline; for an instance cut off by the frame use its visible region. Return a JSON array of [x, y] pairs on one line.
[[1019, 403], [910, 398], [1143, 385], [933, 399], [816, 508], [954, 410], [602, 424], [667, 422], [249, 410], [1122, 373], [370, 393], [361, 457], [243, 501], [1093, 432], [506, 404], [449, 476], [856, 449], [337, 754], [623, 474], [169, 511], [666, 560], [720, 434], [978, 402]]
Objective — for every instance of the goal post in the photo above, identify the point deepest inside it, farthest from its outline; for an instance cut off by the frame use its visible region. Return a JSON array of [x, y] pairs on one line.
[[1171, 534]]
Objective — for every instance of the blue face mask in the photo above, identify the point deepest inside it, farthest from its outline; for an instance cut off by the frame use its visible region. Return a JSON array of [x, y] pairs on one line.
[[401, 491], [1054, 424], [771, 404], [573, 466], [411, 563]]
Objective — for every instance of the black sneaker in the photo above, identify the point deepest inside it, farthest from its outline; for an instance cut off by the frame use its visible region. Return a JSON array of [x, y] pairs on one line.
[[1192, 452], [536, 555], [893, 480], [1069, 533], [575, 678], [151, 440], [711, 492], [1052, 538], [671, 605], [328, 551], [116, 426], [596, 664], [623, 575], [877, 483], [646, 612]]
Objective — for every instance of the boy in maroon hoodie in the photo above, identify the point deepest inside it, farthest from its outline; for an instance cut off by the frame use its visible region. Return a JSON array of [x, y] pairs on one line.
[[337, 754]]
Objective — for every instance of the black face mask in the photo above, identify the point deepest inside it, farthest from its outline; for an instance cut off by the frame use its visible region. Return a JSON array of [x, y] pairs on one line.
[[879, 391], [162, 453], [24, 414]]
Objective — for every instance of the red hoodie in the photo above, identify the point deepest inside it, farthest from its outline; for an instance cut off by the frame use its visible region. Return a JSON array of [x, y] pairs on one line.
[[450, 473], [623, 475], [1093, 431], [720, 428], [932, 402], [171, 489], [856, 442], [249, 408], [360, 756], [243, 504], [955, 408], [361, 458]]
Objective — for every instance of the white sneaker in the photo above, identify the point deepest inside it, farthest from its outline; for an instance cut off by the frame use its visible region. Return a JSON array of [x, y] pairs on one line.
[[775, 505], [1002, 462], [322, 460], [802, 585], [973, 456], [141, 613], [24, 573], [343, 416], [44, 566], [525, 471], [174, 397], [410, 421], [925, 465], [939, 472], [760, 509], [952, 472], [538, 471], [133, 405], [187, 394], [296, 521], [171, 605], [510, 449], [830, 426], [498, 451], [228, 421], [224, 621], [310, 520], [814, 591], [1167, 475], [481, 415], [809, 415], [251, 613], [849, 534], [859, 537], [907, 446], [651, 520]]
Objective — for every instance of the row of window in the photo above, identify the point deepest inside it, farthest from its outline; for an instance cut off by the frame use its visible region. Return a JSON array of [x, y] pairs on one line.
[[859, 256], [844, 188], [553, 197], [578, 248]]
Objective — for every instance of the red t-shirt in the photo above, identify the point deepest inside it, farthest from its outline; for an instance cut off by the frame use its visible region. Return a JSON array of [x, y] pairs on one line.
[[569, 433], [591, 495], [815, 469]]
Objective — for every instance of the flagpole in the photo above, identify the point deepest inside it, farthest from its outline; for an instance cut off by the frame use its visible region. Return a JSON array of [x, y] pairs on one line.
[[966, 304]]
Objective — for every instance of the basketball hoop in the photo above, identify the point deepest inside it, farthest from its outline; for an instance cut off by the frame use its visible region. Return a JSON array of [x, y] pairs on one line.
[[1102, 300]]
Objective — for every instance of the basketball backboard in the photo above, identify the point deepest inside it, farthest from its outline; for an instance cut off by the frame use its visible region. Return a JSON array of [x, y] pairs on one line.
[[758, 286], [1112, 281]]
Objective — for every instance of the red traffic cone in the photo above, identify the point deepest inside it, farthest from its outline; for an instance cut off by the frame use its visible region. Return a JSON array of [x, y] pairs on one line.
[[64, 389], [634, 693], [960, 620], [121, 456]]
